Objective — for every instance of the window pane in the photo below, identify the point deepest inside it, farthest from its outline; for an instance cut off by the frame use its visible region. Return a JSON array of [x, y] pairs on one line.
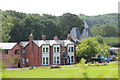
[[17, 51], [69, 49], [54, 49], [46, 60], [54, 60], [43, 49], [72, 49], [58, 49], [57, 60], [5, 51], [23, 61], [72, 59], [43, 60], [46, 49], [23, 51]]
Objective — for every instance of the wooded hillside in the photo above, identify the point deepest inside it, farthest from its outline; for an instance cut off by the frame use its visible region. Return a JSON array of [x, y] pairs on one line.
[[16, 26]]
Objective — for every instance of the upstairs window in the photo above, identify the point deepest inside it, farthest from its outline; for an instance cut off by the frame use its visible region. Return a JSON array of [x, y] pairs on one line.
[[45, 49], [56, 49], [17, 51], [71, 49], [23, 51]]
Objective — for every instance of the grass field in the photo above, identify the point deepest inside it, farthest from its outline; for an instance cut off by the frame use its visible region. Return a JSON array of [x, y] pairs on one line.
[[67, 71]]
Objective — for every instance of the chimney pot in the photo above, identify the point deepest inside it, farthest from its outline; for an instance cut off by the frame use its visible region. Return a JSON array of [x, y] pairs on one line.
[[43, 37], [55, 38]]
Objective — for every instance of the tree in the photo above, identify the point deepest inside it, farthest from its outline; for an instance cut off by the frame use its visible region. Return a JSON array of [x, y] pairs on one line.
[[66, 22], [87, 47], [91, 47]]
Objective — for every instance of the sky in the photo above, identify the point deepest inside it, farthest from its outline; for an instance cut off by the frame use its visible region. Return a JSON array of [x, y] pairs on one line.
[[58, 7]]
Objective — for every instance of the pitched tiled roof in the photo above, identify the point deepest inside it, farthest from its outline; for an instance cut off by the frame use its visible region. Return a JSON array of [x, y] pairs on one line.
[[24, 43], [52, 42], [7, 45]]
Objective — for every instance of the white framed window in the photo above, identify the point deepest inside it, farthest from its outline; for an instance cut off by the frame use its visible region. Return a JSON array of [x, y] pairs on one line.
[[23, 61], [23, 51], [45, 49], [56, 60], [56, 48], [72, 59], [71, 48], [45, 61]]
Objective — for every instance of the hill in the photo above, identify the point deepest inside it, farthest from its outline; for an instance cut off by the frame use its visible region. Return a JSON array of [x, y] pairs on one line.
[[105, 19]]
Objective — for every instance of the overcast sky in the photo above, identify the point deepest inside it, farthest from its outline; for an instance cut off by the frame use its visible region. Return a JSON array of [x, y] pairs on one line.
[[58, 7]]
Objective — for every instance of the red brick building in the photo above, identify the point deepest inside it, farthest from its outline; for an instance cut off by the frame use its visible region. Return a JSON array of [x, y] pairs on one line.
[[38, 52]]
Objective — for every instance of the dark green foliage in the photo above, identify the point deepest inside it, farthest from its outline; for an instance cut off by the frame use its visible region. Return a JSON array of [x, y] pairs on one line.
[[67, 21], [18, 26]]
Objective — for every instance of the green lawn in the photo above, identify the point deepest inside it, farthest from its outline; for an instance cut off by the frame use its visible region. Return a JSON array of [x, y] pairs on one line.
[[67, 71]]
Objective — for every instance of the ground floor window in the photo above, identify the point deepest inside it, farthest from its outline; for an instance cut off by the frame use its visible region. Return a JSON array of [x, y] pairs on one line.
[[45, 61], [56, 60], [23, 61], [72, 61]]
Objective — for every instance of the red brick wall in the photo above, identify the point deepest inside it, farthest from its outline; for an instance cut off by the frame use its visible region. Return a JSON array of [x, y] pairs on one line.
[[51, 55], [40, 56], [9, 59], [35, 55]]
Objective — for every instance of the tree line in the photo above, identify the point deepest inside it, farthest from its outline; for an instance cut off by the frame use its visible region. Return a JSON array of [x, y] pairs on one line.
[[17, 26]]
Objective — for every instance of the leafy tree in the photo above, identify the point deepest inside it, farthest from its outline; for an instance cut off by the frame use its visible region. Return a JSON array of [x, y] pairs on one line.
[[91, 47], [66, 22], [87, 47]]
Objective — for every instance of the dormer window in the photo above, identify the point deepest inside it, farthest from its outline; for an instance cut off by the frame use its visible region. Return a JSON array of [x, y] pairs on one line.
[[17, 51]]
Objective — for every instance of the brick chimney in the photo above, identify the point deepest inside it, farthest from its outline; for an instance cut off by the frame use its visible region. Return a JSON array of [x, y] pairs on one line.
[[69, 37], [43, 37], [31, 37], [55, 38]]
